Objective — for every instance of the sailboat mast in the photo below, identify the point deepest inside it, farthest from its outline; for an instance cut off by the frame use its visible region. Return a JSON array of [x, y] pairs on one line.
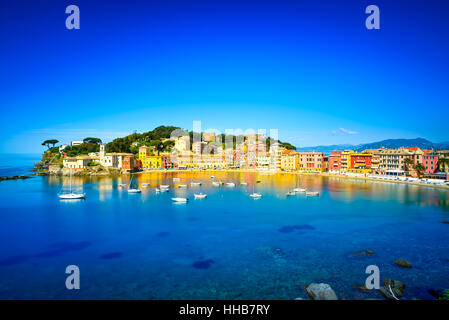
[[70, 180]]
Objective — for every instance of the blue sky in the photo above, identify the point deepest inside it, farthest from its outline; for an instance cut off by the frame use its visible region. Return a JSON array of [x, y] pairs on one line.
[[307, 68]]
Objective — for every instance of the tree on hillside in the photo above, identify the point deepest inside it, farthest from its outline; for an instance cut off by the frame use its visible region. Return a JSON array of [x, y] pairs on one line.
[[92, 140], [50, 142], [157, 144]]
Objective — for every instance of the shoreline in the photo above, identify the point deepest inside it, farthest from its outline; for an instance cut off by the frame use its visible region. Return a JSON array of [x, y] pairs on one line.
[[261, 172]]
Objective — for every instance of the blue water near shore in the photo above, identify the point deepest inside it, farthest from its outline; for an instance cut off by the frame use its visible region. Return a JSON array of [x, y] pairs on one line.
[[227, 246]]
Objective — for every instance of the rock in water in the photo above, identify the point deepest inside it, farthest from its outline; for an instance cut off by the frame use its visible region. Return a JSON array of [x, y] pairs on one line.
[[403, 263], [321, 291], [397, 287]]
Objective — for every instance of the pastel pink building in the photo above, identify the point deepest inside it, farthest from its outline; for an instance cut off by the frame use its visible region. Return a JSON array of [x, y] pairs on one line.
[[430, 162]]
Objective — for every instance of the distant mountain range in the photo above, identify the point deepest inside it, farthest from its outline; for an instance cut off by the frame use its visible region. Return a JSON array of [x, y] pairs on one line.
[[390, 143]]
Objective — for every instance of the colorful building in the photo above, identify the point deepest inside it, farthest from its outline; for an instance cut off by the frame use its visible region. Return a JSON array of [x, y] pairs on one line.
[[359, 162], [335, 162], [289, 160], [430, 161], [313, 161]]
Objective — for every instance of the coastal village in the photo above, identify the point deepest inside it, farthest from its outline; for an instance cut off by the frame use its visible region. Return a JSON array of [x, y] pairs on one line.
[[253, 153]]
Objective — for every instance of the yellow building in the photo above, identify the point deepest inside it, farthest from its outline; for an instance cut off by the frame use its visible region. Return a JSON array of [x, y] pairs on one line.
[[149, 160], [289, 160]]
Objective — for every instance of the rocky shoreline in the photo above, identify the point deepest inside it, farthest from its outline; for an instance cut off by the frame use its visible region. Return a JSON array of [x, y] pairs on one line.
[[19, 177]]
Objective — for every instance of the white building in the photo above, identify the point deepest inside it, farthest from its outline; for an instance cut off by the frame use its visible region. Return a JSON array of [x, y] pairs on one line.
[[76, 143], [275, 156], [113, 159], [79, 162]]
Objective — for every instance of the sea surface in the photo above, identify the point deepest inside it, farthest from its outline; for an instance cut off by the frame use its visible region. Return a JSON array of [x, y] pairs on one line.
[[226, 246]]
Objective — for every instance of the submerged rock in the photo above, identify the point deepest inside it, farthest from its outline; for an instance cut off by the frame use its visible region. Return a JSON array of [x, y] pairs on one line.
[[446, 222], [15, 177], [321, 291], [361, 287], [203, 264], [403, 263], [392, 289], [287, 229], [368, 253]]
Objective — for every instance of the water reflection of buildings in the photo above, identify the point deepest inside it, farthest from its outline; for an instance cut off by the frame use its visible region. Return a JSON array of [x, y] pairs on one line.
[[339, 189]]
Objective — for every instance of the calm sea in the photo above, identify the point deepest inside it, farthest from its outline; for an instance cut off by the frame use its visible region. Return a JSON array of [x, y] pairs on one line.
[[227, 246]]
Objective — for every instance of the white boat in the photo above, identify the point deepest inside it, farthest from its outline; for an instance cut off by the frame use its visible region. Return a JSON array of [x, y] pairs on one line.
[[165, 190], [312, 193], [122, 185], [158, 190], [212, 177], [195, 183], [255, 195], [132, 189], [71, 195], [299, 190], [291, 193], [164, 186], [230, 184], [216, 184], [182, 186], [200, 195], [180, 199], [244, 183]]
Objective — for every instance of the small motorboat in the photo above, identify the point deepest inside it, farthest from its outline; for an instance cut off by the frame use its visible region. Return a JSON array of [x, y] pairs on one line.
[[134, 190], [299, 190], [230, 184], [158, 190], [165, 190], [312, 193], [164, 186], [200, 195], [243, 183], [180, 199], [255, 195], [182, 186], [216, 184], [291, 193], [122, 185], [212, 177], [195, 183]]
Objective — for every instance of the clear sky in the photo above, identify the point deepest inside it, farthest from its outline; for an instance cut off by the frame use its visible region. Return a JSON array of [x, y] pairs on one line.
[[310, 69]]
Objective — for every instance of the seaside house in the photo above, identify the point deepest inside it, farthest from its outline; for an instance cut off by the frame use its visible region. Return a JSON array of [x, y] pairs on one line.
[[289, 160], [115, 159], [335, 162], [312, 161], [359, 162], [430, 161], [263, 161], [275, 155], [79, 162]]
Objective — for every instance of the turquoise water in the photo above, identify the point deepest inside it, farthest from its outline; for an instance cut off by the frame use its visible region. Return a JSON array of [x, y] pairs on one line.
[[227, 246]]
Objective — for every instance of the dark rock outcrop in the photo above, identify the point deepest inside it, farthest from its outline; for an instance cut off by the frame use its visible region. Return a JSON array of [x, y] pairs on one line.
[[403, 263], [15, 177]]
